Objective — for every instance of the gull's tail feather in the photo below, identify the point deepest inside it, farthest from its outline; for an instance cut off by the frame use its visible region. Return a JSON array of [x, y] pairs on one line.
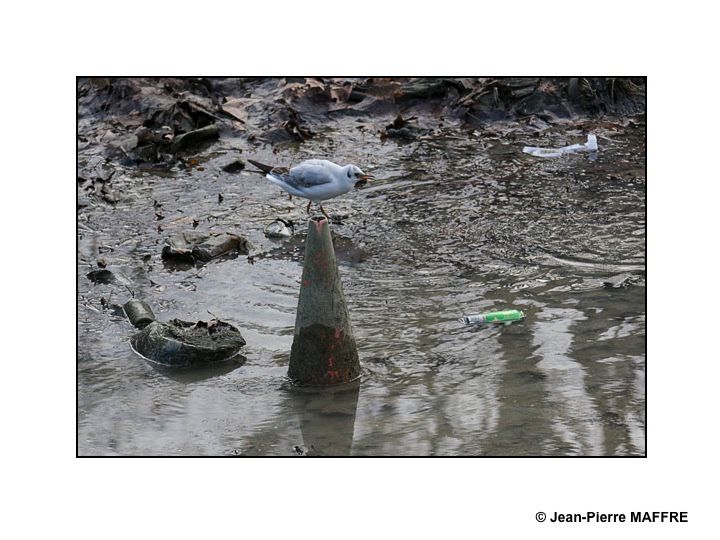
[[264, 168]]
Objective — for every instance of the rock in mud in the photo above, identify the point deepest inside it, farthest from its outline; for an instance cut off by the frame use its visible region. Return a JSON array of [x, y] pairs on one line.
[[191, 246], [219, 245]]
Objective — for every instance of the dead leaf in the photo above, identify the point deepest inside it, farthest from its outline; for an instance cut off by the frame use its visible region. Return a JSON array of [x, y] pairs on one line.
[[341, 93], [237, 108]]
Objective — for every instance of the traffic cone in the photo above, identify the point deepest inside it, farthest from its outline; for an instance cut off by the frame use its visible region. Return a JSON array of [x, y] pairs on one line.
[[323, 351]]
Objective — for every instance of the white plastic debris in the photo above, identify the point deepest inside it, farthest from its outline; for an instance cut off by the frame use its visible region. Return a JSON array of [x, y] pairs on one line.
[[590, 146], [278, 229]]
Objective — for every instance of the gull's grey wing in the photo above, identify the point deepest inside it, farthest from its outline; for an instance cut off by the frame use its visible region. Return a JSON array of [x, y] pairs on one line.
[[310, 173]]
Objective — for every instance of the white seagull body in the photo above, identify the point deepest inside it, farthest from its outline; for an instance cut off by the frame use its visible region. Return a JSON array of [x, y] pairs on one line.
[[315, 179]]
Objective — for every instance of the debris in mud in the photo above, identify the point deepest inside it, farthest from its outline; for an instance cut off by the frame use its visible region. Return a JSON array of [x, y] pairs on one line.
[[114, 309], [503, 317], [183, 112], [590, 146], [96, 169], [153, 144], [425, 88], [237, 108], [154, 118], [179, 343], [138, 313], [401, 128], [161, 136], [338, 219], [103, 276], [550, 98], [234, 166], [342, 93], [95, 181], [299, 450], [312, 88], [278, 229], [544, 100], [109, 195], [621, 281], [185, 344], [192, 246], [194, 137], [296, 127], [609, 95], [302, 450]]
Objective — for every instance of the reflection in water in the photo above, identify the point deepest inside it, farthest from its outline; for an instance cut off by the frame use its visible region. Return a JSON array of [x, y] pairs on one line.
[[575, 420], [327, 420], [635, 424], [197, 374]]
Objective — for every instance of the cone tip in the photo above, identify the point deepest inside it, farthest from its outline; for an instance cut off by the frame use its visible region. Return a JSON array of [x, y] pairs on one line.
[[319, 221]]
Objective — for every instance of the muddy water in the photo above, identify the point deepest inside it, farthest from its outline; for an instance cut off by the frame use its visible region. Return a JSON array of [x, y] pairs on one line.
[[457, 223]]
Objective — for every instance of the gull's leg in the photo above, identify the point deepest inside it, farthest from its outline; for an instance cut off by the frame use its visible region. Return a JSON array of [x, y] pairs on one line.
[[308, 207], [290, 196], [324, 213]]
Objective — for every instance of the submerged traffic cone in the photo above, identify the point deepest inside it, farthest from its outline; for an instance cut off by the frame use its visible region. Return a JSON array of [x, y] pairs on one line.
[[323, 350]]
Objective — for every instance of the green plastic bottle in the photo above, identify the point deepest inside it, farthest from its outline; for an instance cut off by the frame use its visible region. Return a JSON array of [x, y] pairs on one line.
[[506, 316]]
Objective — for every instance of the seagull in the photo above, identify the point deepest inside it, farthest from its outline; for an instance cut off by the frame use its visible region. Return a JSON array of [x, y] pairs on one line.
[[315, 179]]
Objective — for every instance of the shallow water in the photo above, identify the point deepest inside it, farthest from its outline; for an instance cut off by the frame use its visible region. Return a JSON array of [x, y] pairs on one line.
[[457, 223]]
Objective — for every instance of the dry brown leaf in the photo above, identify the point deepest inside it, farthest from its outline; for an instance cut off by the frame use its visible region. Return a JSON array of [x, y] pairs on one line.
[[341, 93], [237, 108]]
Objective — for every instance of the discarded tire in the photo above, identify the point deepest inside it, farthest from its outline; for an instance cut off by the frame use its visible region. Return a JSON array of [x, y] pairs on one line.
[[184, 344]]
